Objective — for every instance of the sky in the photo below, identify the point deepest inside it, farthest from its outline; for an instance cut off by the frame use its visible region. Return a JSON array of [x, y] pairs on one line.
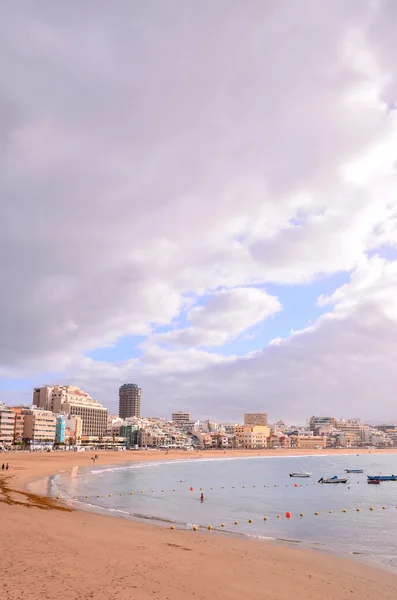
[[200, 198]]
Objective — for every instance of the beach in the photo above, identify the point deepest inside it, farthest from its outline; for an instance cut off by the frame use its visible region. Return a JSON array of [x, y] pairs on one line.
[[49, 550]]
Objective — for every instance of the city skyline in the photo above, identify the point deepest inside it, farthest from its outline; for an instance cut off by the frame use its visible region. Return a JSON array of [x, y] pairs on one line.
[[218, 221], [258, 418]]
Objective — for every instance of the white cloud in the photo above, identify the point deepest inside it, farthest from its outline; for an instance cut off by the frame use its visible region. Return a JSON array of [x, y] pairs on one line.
[[374, 283], [150, 156], [225, 315]]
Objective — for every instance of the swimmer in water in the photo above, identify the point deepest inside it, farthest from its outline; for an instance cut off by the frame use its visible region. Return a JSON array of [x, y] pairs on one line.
[[202, 497]]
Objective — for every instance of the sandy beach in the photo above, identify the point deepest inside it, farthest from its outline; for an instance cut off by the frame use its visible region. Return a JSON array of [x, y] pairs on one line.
[[48, 551]]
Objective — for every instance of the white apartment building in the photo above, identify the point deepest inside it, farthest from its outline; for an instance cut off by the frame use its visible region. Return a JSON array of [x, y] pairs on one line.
[[7, 423], [71, 400]]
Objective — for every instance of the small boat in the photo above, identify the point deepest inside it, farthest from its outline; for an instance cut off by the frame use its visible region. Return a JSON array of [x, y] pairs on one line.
[[334, 479], [300, 474], [382, 477], [374, 481], [354, 471]]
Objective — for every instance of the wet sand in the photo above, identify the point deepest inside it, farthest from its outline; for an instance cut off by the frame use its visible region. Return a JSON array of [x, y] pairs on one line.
[[48, 551]]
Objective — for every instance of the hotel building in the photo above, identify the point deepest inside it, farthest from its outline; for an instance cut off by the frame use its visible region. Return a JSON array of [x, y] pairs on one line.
[[71, 400]]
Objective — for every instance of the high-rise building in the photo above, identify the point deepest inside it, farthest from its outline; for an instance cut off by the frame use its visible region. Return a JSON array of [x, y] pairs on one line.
[[129, 401], [70, 400], [253, 419]]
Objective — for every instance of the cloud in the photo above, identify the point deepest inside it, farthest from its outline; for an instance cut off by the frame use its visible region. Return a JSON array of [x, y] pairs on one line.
[[226, 314], [150, 156]]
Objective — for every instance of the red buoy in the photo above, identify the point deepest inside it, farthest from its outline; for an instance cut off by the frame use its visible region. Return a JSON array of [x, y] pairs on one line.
[[191, 489], [287, 515], [295, 485]]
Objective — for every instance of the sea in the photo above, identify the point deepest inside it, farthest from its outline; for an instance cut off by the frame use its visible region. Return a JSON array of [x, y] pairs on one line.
[[251, 496]]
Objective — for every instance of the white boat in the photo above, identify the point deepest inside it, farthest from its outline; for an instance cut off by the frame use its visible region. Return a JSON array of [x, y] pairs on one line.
[[300, 474]]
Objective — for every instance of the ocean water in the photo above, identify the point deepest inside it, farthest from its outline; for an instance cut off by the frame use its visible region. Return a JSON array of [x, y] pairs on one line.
[[240, 489]]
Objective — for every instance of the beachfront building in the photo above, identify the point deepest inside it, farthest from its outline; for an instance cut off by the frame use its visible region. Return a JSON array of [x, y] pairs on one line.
[[129, 400], [253, 419], [153, 438], [308, 442], [74, 430], [39, 426], [278, 440], [390, 430], [60, 429], [19, 420], [252, 438], [353, 432], [7, 420], [131, 434], [72, 401]]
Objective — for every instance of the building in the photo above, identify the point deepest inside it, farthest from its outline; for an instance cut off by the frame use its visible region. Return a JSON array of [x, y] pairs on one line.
[[39, 426], [181, 418], [391, 431], [74, 430], [19, 419], [253, 419], [308, 442], [131, 434], [252, 438], [60, 429], [353, 432], [129, 401], [229, 428], [7, 421], [72, 401]]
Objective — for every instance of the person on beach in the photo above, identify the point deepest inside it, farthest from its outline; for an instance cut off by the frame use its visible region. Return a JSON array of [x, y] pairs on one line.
[[7, 467], [2, 467]]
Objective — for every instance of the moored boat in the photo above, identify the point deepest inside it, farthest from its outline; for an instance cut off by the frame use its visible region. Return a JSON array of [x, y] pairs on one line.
[[354, 471], [334, 479], [382, 477], [300, 474], [374, 481]]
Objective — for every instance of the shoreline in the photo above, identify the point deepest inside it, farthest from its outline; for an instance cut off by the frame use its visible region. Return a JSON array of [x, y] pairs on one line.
[[109, 556]]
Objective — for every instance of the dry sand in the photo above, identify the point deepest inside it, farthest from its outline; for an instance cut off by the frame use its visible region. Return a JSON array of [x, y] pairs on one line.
[[48, 552]]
